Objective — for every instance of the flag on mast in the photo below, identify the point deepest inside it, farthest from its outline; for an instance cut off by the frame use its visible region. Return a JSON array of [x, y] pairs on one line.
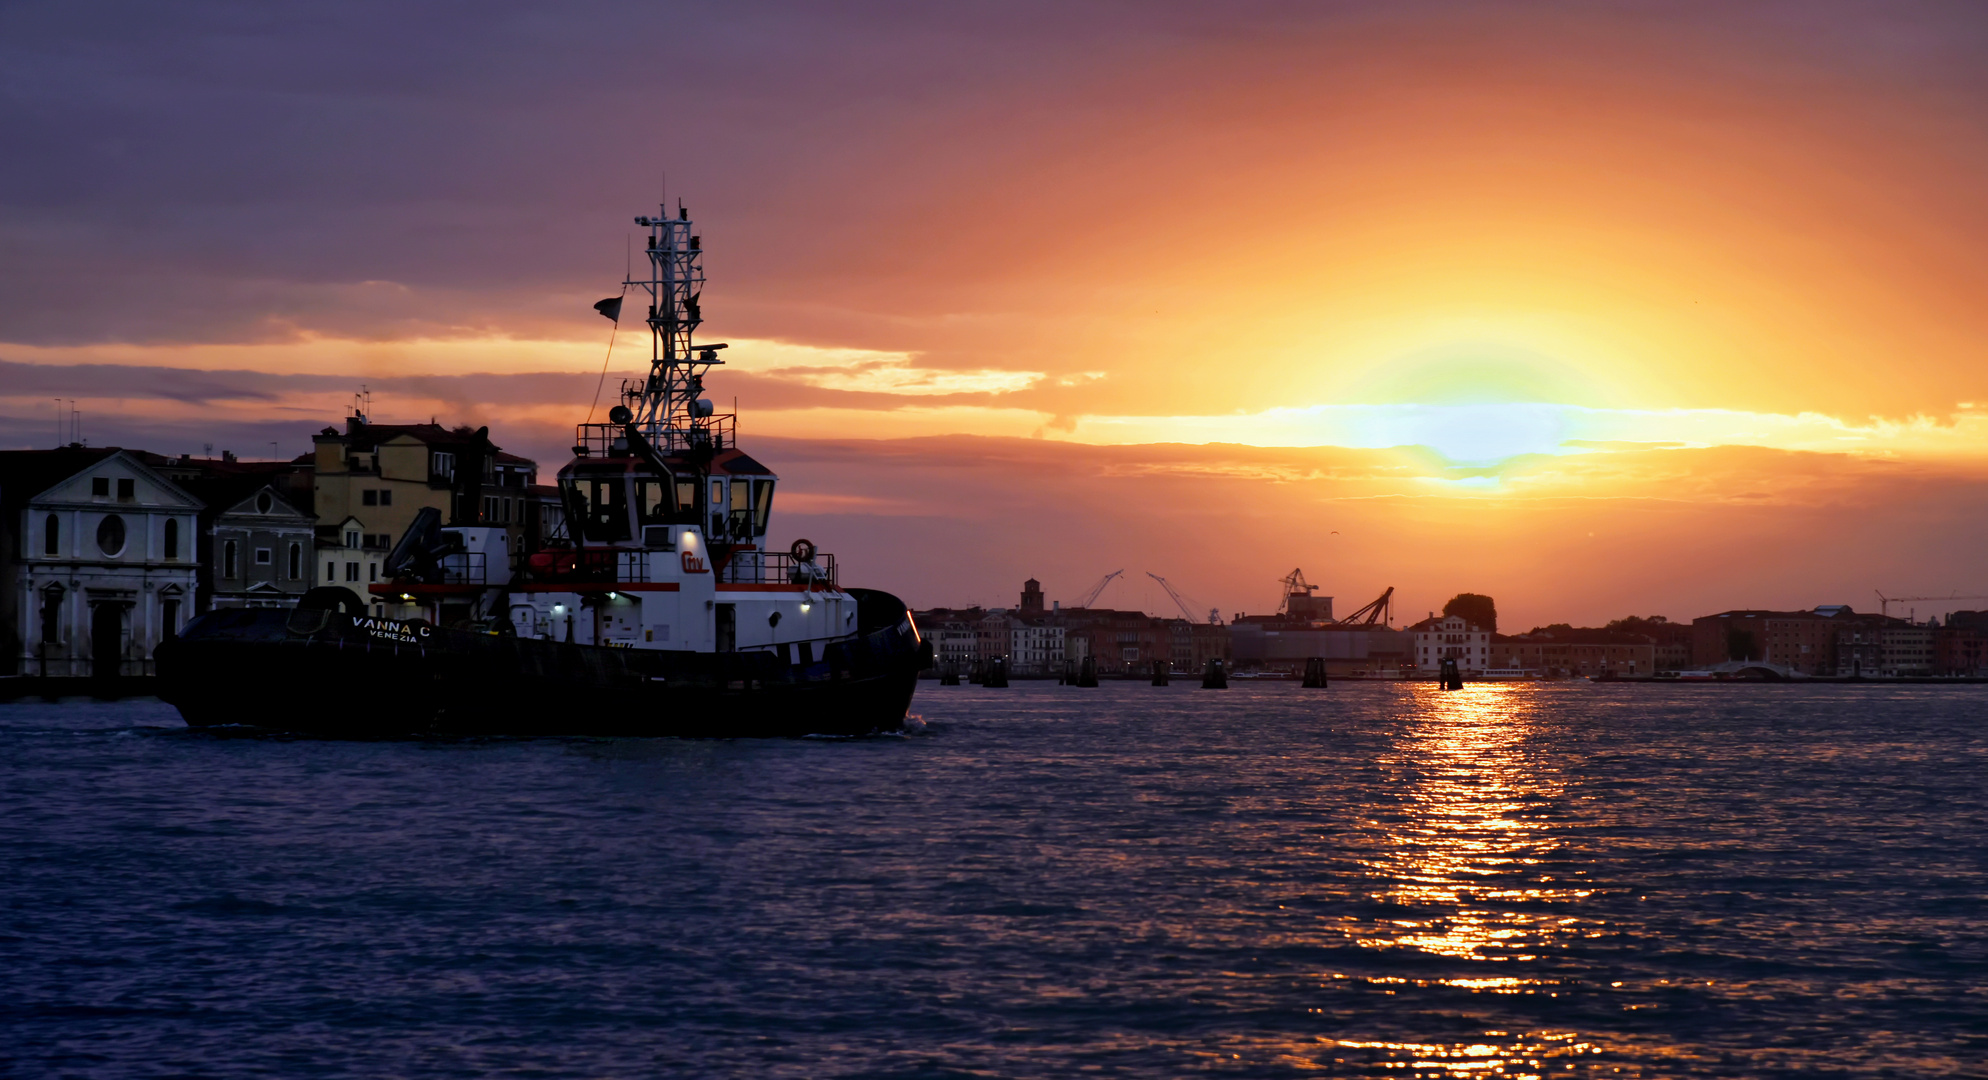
[[610, 309]]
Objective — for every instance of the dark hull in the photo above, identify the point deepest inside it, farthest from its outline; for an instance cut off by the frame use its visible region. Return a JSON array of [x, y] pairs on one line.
[[344, 678]]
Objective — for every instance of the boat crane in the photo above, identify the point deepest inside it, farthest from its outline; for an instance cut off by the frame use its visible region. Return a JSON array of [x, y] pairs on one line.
[[1885, 602], [1214, 614], [1092, 596]]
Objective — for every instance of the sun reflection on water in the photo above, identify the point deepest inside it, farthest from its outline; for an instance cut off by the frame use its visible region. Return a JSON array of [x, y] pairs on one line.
[[1465, 872]]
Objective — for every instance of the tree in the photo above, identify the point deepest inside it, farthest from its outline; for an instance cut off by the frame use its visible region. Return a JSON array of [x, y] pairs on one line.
[[1474, 608], [1637, 624]]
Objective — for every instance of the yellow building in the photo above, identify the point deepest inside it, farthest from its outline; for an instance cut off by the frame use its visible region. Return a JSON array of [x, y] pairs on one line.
[[371, 479]]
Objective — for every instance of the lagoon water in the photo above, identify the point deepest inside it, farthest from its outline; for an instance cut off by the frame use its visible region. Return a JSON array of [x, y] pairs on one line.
[[1373, 880]]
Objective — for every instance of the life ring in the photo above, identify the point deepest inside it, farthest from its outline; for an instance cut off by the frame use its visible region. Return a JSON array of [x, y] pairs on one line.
[[803, 551]]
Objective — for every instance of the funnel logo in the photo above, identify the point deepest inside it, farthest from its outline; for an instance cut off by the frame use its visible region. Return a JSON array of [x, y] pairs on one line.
[[692, 564]]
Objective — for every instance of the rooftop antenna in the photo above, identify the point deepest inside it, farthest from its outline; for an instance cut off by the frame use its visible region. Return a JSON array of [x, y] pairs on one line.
[[58, 423], [273, 454]]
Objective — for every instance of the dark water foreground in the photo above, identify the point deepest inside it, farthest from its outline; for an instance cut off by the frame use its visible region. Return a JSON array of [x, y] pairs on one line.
[[1378, 880]]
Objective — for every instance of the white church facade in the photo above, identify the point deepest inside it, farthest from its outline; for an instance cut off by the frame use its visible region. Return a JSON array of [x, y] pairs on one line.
[[101, 552]]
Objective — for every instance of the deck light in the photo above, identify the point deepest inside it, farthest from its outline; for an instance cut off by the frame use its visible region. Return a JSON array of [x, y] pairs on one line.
[[804, 607], [689, 539], [612, 596]]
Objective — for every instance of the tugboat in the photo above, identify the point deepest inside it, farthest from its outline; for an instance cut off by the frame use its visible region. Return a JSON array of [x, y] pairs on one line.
[[657, 613]]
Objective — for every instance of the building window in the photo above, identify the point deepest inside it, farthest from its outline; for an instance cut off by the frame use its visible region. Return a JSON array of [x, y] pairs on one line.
[[110, 534], [372, 571], [351, 571], [263, 502], [386, 496], [369, 497], [228, 559], [169, 617], [331, 571], [126, 490], [100, 487], [296, 561], [172, 538], [51, 536], [262, 557], [442, 465]]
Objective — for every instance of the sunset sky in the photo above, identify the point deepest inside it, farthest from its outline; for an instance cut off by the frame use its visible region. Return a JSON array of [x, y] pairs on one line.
[[1600, 308]]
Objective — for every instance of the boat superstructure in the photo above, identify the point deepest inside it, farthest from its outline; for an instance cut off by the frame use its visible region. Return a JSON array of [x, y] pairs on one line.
[[666, 518]]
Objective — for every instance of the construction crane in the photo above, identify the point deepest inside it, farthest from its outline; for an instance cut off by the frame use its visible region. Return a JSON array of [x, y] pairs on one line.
[[1380, 611], [1091, 597], [1214, 614], [1294, 585], [1885, 602]]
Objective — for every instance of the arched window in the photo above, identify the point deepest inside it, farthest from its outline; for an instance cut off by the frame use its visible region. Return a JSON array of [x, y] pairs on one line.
[[172, 538], [296, 561], [51, 536], [263, 502]]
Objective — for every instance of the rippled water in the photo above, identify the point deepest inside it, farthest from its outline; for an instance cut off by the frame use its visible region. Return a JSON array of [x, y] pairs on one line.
[[1573, 880]]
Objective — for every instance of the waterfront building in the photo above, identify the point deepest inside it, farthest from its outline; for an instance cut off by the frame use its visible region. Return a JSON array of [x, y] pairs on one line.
[[1441, 637], [1907, 647], [1576, 652], [257, 541], [1035, 646], [100, 561], [955, 637], [1803, 641], [1961, 646], [372, 479], [1275, 643]]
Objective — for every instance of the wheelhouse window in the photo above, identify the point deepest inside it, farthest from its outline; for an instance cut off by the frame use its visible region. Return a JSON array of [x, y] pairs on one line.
[[741, 509], [762, 505], [655, 500], [601, 505]]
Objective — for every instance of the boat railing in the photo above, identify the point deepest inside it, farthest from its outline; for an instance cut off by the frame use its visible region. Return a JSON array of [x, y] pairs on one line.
[[715, 432], [591, 565], [778, 568]]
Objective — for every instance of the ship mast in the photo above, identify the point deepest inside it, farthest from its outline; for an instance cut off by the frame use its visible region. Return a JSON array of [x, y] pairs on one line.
[[667, 407]]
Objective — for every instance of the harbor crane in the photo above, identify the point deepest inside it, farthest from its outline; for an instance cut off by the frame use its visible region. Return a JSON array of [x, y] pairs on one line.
[[1091, 597], [1380, 611], [1885, 602], [1214, 614]]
